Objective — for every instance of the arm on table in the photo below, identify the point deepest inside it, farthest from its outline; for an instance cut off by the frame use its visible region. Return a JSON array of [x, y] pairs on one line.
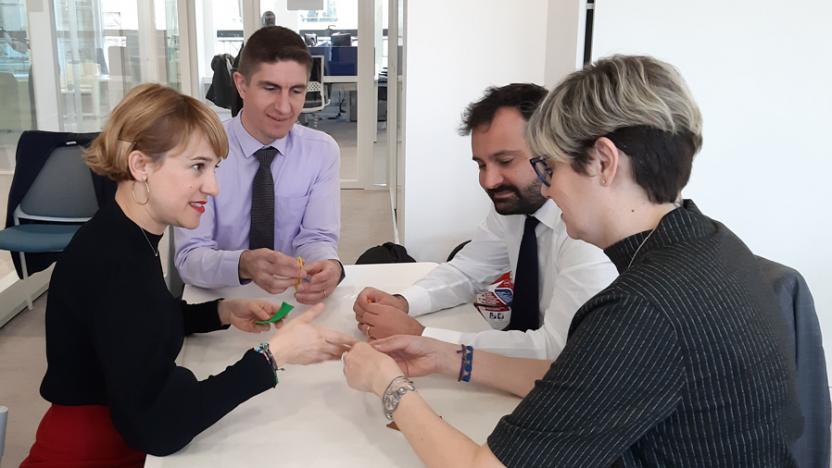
[[434, 441], [581, 270], [418, 356], [473, 268], [197, 258]]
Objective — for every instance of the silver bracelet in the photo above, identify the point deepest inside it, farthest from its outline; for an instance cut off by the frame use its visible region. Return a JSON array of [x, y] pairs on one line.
[[395, 391]]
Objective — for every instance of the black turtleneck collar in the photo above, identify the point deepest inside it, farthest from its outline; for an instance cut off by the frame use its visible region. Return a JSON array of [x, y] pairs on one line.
[[681, 224], [129, 228]]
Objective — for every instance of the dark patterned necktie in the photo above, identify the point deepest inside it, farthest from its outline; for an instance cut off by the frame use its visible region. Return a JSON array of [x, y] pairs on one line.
[[261, 234], [525, 305]]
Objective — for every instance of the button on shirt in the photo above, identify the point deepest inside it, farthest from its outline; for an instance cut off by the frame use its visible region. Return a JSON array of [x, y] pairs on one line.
[[571, 272], [307, 206]]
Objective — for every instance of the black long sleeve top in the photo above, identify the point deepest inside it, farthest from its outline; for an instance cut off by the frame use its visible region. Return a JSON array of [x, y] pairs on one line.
[[113, 331], [680, 362]]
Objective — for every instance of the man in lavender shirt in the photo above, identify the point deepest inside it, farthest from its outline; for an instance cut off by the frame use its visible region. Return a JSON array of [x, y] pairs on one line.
[[272, 78]]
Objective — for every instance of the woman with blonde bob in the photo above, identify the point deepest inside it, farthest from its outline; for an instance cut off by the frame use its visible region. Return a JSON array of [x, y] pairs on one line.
[[679, 362], [112, 328]]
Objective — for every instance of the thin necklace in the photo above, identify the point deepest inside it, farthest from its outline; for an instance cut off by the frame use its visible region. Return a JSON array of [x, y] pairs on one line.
[[640, 246], [155, 251]]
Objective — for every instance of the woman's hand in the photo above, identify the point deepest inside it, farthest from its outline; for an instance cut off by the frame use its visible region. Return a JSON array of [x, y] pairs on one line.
[[299, 341], [242, 313], [369, 370], [418, 355]]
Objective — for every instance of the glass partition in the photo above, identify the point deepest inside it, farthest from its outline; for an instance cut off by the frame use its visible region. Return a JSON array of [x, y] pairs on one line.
[[16, 93], [105, 47]]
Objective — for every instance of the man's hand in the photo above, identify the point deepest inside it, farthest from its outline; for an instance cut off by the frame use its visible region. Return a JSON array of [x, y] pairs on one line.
[[273, 271], [376, 296], [243, 313], [323, 279], [380, 315], [381, 321]]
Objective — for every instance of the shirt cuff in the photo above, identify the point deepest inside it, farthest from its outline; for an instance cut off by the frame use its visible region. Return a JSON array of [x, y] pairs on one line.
[[449, 336], [418, 301], [343, 271], [230, 268], [318, 251]]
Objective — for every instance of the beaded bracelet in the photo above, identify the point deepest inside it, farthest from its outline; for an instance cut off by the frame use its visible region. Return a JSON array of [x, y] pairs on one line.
[[466, 363], [263, 348]]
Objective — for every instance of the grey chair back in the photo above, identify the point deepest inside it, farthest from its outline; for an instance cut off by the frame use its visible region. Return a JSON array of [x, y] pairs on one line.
[[812, 448], [63, 188]]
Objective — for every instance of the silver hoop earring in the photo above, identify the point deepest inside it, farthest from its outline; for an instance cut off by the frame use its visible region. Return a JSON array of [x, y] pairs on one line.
[[133, 195]]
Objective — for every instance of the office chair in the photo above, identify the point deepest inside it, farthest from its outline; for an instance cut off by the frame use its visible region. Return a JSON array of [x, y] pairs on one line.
[[61, 198], [310, 39], [812, 448], [316, 96]]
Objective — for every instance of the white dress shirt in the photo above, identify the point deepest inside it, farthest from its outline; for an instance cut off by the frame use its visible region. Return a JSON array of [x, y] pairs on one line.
[[572, 271]]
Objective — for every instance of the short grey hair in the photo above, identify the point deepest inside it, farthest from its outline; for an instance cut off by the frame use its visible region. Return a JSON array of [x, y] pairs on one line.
[[620, 93]]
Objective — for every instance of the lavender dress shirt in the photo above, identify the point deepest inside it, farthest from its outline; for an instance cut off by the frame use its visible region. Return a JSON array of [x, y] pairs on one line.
[[307, 198]]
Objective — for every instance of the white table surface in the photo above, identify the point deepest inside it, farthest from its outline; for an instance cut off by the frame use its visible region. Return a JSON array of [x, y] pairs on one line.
[[312, 418]]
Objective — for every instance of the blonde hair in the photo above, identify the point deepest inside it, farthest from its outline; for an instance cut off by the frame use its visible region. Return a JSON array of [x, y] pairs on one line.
[[153, 119], [642, 104]]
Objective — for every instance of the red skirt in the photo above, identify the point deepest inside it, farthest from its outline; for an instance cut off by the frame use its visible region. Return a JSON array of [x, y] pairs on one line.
[[80, 436]]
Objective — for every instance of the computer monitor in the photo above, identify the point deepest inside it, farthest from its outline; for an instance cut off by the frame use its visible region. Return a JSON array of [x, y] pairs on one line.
[[340, 39]]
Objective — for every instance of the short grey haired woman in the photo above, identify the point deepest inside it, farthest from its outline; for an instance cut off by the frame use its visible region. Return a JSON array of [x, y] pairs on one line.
[[680, 362]]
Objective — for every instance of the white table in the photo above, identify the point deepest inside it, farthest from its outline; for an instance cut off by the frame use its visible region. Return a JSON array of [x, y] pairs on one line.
[[312, 418]]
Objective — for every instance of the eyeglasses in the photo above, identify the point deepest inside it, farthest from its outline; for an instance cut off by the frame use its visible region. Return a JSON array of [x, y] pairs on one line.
[[542, 169]]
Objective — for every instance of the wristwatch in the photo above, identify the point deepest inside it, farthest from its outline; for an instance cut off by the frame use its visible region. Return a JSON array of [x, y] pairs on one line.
[[392, 396]]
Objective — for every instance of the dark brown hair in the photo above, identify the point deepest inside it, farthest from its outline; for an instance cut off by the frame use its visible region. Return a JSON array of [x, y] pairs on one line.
[[525, 97], [272, 44]]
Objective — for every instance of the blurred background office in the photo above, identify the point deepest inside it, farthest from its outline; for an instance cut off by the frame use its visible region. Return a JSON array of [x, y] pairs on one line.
[[64, 64]]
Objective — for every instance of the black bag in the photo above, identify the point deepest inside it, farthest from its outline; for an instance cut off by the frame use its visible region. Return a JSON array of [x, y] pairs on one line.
[[385, 253]]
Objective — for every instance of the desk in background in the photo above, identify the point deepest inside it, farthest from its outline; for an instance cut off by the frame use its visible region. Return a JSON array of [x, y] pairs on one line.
[[312, 418]]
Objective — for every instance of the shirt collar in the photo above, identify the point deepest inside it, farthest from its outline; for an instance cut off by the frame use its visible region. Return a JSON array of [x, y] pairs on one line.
[[548, 214], [249, 144]]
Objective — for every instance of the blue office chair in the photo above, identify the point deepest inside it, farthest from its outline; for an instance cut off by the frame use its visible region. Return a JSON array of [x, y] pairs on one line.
[[61, 198]]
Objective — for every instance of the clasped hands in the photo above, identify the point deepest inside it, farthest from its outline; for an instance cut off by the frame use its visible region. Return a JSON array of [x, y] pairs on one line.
[[379, 315], [276, 272], [396, 346], [368, 367]]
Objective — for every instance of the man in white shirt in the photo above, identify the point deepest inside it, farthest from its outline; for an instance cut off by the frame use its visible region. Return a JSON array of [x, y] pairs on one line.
[[570, 271]]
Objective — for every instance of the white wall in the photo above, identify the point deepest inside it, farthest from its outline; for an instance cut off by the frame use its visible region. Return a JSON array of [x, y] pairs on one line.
[[449, 64], [761, 73], [565, 31]]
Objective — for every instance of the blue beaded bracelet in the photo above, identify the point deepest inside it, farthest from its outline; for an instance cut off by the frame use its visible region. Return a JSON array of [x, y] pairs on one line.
[[466, 364]]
